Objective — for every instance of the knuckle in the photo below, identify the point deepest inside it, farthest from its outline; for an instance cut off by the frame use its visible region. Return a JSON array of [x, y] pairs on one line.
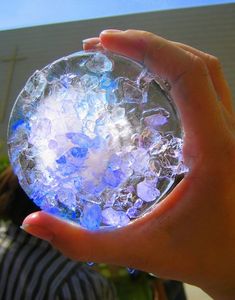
[[214, 63], [148, 35], [198, 65]]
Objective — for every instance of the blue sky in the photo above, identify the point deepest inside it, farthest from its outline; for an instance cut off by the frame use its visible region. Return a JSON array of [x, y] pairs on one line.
[[25, 13]]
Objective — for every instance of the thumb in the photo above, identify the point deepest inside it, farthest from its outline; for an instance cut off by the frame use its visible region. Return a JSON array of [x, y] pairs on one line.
[[108, 246]]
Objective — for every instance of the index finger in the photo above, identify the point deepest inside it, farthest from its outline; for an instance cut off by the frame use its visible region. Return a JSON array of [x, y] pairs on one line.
[[191, 86]]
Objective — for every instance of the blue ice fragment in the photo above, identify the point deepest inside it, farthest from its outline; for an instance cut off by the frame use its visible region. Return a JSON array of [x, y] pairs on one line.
[[65, 81], [96, 142], [113, 177], [79, 139], [147, 191], [91, 217], [115, 162], [67, 197], [131, 212], [99, 188], [78, 184], [68, 169], [75, 214], [138, 203], [52, 144], [38, 201], [106, 82], [78, 152], [52, 210], [61, 160], [17, 124], [70, 135], [111, 97], [114, 218]]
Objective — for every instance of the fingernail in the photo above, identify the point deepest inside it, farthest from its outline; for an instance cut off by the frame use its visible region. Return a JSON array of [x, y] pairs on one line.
[[91, 40], [38, 231], [111, 31]]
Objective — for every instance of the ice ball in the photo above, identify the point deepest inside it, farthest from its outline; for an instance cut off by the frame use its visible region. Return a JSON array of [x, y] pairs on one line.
[[95, 138]]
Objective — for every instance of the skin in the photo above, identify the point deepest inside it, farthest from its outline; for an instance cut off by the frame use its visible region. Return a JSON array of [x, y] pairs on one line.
[[190, 236]]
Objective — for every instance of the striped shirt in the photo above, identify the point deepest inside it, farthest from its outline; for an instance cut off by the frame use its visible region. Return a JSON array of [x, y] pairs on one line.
[[31, 269]]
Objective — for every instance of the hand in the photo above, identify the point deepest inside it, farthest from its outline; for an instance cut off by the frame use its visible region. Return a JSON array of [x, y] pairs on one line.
[[190, 235]]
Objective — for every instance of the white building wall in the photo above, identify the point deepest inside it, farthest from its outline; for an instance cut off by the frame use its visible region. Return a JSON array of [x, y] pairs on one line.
[[210, 28]]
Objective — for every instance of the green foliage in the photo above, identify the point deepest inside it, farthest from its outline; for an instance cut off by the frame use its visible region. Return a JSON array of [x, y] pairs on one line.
[[134, 288], [129, 287], [4, 162]]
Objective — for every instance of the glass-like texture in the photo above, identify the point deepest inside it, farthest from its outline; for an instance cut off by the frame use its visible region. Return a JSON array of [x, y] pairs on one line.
[[95, 138]]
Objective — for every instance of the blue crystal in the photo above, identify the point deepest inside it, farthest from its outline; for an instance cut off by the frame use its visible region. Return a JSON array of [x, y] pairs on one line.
[[52, 144], [80, 139], [113, 177], [138, 203], [107, 82], [114, 218], [78, 184], [61, 160], [131, 212], [65, 81], [53, 210], [17, 124], [67, 197], [96, 142], [115, 162], [68, 169], [79, 152], [91, 217], [147, 192], [111, 98]]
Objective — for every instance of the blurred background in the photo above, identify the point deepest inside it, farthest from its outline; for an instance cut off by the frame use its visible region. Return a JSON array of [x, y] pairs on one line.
[[34, 33]]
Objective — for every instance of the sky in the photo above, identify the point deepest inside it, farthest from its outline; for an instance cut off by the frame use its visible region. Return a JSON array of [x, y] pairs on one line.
[[27, 13]]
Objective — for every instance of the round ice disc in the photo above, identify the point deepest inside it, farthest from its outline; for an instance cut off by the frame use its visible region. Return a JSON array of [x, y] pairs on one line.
[[95, 138]]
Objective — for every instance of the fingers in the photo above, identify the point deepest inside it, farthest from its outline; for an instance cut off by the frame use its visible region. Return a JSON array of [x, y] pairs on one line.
[[191, 86], [92, 44], [216, 74], [214, 67]]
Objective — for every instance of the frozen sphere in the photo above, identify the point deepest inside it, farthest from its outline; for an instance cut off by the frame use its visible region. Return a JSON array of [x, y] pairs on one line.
[[95, 138]]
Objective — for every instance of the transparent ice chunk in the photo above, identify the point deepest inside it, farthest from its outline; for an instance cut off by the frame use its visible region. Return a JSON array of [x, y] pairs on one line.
[[147, 191], [99, 63], [89, 82], [114, 218]]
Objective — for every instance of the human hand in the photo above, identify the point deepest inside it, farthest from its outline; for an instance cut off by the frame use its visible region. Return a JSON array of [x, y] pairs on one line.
[[190, 235]]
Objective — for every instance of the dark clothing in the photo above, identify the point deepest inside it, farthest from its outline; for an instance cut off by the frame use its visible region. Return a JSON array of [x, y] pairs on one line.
[[174, 290], [30, 269]]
